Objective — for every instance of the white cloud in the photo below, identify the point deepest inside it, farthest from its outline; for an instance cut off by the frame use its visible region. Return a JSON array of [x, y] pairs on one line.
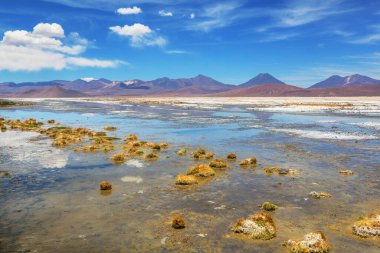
[[86, 62], [218, 15], [342, 33], [164, 13], [176, 52], [41, 48], [278, 37], [371, 38], [45, 36], [112, 4], [140, 35], [49, 30], [300, 13], [17, 58], [129, 11], [135, 30], [192, 15]]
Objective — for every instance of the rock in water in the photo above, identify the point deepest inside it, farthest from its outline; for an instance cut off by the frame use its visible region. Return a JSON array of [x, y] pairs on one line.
[[231, 156], [314, 242], [320, 195], [346, 172], [218, 164], [249, 162], [201, 170], [105, 186], [368, 226], [182, 179], [178, 222], [268, 206], [258, 226]]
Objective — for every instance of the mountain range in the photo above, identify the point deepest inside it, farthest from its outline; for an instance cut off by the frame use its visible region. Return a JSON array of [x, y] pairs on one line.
[[263, 84]]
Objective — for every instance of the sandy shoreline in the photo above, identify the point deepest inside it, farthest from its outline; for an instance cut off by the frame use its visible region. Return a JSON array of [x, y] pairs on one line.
[[345, 105], [221, 100]]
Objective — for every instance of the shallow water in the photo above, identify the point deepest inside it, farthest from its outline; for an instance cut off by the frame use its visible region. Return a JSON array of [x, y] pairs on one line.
[[51, 201]]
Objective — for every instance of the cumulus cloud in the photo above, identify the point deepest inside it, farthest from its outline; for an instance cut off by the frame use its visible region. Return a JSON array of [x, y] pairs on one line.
[[140, 35], [135, 30], [49, 30], [43, 48], [129, 11], [164, 13], [192, 15]]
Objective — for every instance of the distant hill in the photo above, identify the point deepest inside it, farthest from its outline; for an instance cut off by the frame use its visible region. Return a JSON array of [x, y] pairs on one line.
[[264, 90], [200, 80], [87, 85], [345, 91], [340, 81], [51, 92], [263, 85], [260, 79]]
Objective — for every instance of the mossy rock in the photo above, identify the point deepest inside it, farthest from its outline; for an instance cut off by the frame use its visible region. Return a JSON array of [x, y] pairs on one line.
[[182, 179], [259, 226], [268, 206], [314, 242], [218, 164], [202, 170]]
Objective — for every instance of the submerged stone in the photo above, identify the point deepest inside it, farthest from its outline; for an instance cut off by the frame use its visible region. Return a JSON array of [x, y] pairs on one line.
[[131, 137], [314, 242], [5, 173], [368, 226], [101, 134], [152, 156], [202, 170], [105, 186], [320, 195], [198, 153], [182, 179], [178, 222], [258, 226], [268, 206], [118, 158], [280, 171], [88, 148], [346, 172], [182, 152], [110, 128], [139, 152], [208, 155], [153, 146]]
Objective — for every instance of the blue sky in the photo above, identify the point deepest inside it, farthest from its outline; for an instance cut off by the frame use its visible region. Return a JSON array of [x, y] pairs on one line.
[[298, 41]]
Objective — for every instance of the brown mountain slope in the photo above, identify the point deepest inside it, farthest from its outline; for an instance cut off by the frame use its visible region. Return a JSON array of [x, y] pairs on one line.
[[349, 91], [274, 90], [51, 92], [193, 91], [264, 90]]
